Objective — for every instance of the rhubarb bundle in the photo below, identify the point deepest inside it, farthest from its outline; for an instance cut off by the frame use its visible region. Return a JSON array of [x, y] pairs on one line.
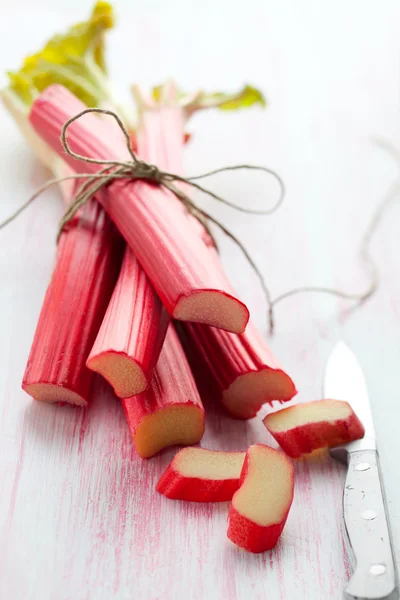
[[136, 264], [170, 266]]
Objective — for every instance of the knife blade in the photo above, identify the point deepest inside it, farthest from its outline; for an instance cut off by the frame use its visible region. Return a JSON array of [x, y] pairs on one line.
[[364, 505]]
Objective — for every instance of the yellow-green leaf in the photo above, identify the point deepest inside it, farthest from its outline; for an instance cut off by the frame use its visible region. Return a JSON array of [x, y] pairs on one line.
[[156, 92], [246, 97], [75, 59], [22, 86]]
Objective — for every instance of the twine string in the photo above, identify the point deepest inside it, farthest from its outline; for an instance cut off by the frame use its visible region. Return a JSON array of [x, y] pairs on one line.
[[136, 169]]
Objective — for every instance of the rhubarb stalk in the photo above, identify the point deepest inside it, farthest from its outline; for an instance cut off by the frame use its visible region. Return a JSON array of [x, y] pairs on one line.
[[87, 262], [89, 250], [133, 330], [245, 371], [170, 412], [176, 262], [131, 335], [129, 342]]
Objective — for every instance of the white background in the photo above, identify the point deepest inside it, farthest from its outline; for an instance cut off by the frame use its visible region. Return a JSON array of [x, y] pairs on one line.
[[78, 514]]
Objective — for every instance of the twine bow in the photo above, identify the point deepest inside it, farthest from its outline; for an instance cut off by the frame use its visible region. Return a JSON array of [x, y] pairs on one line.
[[136, 169]]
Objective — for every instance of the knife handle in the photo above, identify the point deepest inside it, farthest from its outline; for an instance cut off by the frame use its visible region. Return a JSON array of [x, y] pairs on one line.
[[367, 526]]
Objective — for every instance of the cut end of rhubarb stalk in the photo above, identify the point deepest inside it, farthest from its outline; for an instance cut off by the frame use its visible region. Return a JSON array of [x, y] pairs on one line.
[[261, 505], [172, 426], [306, 427], [48, 392], [201, 475], [121, 372], [246, 395], [212, 307]]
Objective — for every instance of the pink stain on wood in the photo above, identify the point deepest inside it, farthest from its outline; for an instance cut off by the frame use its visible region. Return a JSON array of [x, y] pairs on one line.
[[16, 480]]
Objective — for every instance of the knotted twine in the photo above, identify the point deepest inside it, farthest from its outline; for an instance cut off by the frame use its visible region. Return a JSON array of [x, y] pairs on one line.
[[136, 169]]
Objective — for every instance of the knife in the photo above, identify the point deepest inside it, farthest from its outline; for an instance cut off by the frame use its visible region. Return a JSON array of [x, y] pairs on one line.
[[365, 511]]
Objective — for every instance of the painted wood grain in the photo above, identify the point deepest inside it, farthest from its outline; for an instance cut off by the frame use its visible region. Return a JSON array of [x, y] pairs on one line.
[[79, 517]]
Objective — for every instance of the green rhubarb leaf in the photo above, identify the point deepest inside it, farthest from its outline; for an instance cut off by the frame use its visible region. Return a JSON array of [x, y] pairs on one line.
[[246, 97], [74, 59]]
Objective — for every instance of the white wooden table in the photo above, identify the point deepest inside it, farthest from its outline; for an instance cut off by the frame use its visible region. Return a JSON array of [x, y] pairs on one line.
[[79, 518]]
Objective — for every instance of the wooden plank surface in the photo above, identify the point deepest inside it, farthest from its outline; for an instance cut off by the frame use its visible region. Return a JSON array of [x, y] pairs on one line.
[[78, 514]]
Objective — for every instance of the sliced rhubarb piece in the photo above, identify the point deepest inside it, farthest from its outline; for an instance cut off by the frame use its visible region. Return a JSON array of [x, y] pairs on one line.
[[170, 412], [130, 339], [177, 262], [245, 371], [87, 264], [306, 427], [261, 505], [201, 475]]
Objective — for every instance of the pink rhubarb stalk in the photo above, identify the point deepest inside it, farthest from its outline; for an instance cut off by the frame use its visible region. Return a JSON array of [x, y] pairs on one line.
[[176, 262], [244, 371], [130, 339], [87, 264], [243, 368], [170, 412]]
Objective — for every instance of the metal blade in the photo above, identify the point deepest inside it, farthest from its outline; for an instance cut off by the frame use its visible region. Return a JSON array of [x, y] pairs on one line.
[[344, 380]]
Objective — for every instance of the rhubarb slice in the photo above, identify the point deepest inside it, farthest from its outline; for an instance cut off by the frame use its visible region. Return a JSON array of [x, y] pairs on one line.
[[201, 475], [88, 260], [177, 262], [306, 427], [130, 339], [245, 371], [261, 505], [170, 412]]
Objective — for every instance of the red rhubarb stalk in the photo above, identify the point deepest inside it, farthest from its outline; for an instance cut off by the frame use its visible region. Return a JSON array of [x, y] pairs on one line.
[[176, 262], [133, 330], [130, 339], [170, 412], [88, 253], [87, 263], [243, 368], [161, 136], [201, 475], [246, 373]]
